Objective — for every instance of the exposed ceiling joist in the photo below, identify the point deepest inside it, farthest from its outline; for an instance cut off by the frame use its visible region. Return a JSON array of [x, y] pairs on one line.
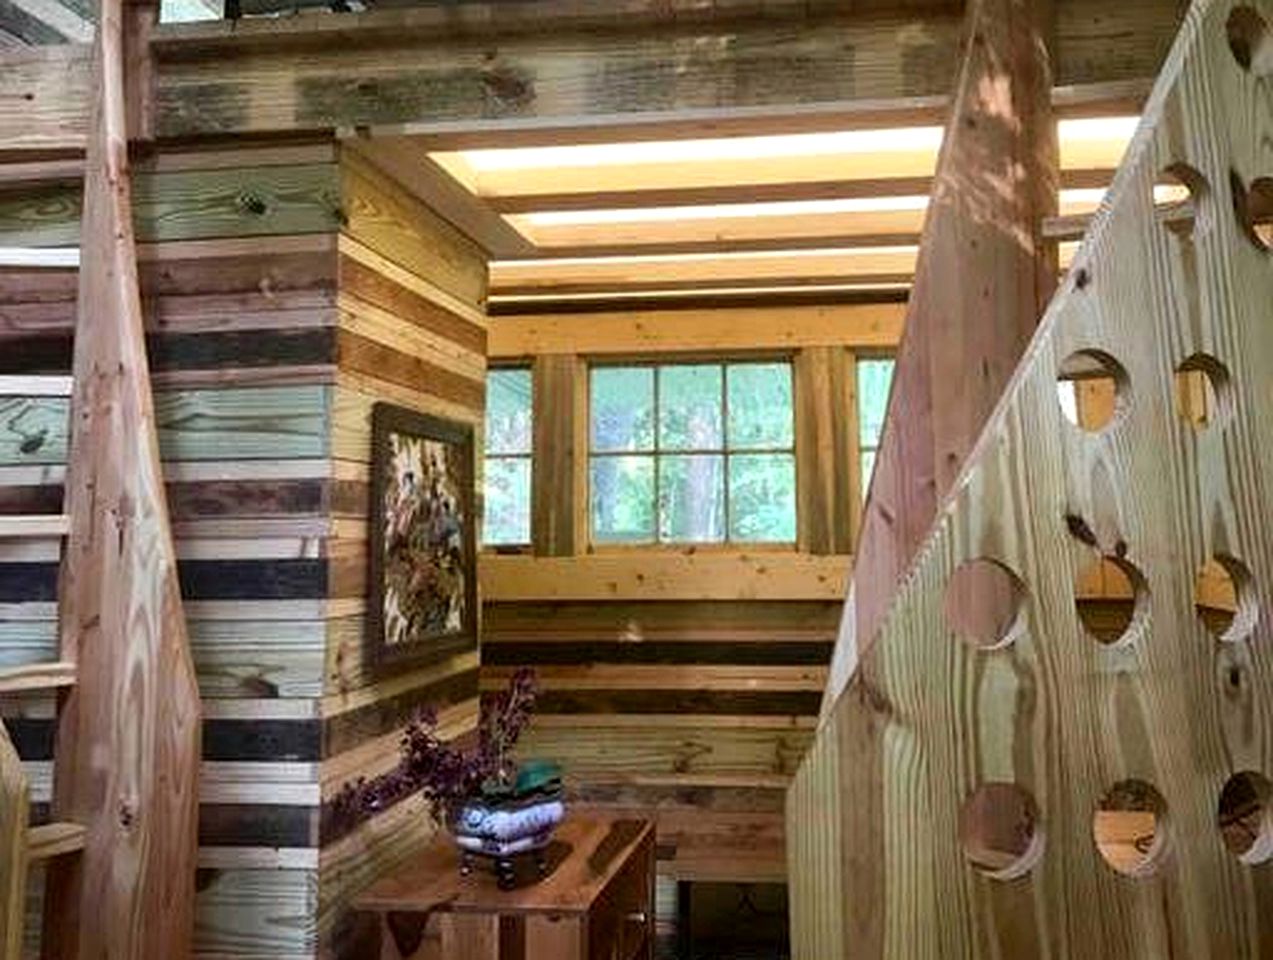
[[545, 70]]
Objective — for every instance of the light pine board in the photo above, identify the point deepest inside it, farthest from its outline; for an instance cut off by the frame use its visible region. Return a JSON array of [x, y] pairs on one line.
[[875, 860]]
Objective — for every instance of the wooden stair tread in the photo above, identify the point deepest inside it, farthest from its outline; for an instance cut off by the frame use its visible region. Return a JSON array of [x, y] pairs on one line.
[[35, 525], [37, 676], [21, 385], [54, 840]]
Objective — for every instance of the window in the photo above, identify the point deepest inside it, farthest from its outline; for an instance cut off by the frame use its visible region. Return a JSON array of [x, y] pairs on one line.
[[692, 453], [506, 519], [874, 377]]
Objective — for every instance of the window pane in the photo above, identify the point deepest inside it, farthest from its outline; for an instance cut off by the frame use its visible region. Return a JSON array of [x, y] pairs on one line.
[[507, 495], [868, 469], [690, 407], [508, 426], [622, 403], [760, 412], [762, 497], [874, 377], [691, 498], [622, 494]]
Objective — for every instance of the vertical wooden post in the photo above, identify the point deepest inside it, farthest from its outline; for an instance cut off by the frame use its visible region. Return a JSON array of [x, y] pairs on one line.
[[824, 438], [14, 806], [555, 530], [128, 737], [984, 276]]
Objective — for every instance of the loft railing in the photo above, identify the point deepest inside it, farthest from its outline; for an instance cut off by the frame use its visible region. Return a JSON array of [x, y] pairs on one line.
[[996, 779]]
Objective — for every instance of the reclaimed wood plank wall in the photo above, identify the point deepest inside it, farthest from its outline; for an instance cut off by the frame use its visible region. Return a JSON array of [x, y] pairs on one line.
[[275, 282], [680, 684]]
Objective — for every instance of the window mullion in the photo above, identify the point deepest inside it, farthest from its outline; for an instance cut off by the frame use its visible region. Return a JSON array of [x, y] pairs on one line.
[[725, 442]]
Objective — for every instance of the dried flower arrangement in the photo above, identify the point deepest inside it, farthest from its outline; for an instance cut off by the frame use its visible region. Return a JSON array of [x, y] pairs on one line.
[[449, 777]]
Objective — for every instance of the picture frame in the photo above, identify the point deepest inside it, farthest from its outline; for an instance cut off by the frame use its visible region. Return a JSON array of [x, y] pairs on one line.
[[422, 560]]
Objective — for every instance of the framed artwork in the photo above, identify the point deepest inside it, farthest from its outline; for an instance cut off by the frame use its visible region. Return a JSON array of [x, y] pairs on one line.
[[423, 544]]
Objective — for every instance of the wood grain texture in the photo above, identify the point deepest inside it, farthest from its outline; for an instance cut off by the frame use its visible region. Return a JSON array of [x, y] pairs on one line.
[[876, 862], [14, 803], [876, 325], [983, 278], [557, 379], [824, 429], [654, 575], [128, 732]]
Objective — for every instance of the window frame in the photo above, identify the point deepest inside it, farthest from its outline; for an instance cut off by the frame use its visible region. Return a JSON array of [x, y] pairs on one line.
[[527, 546], [655, 452]]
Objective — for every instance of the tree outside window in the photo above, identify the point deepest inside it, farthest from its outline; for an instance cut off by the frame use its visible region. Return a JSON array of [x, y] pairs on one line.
[[874, 378], [692, 453], [506, 486]]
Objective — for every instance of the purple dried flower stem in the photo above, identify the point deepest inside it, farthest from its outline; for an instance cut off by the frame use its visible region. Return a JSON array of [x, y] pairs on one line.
[[447, 776]]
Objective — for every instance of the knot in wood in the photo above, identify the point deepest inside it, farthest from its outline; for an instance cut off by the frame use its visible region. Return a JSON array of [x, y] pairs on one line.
[[252, 203]]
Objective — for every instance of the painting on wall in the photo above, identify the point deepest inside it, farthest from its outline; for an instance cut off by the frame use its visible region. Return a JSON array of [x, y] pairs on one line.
[[423, 583]]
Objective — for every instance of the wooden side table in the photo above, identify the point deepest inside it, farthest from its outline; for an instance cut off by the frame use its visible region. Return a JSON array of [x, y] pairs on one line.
[[596, 901]]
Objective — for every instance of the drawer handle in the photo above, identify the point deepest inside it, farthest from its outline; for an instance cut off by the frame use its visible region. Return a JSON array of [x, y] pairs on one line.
[[639, 916]]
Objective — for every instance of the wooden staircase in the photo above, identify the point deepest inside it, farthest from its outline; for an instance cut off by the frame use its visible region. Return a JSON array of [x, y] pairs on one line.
[[21, 843], [127, 741]]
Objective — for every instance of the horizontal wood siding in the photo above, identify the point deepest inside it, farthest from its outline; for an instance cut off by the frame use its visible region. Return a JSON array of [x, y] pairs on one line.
[[271, 334], [411, 331], [680, 684]]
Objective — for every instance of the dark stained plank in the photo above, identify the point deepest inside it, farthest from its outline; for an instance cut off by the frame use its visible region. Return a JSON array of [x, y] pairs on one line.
[[647, 651], [186, 351], [727, 703], [257, 825]]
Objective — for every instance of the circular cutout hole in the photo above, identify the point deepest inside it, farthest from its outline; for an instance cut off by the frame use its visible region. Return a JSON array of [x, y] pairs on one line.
[[1223, 598], [1110, 598], [984, 602], [1129, 827], [1253, 206], [999, 830], [1178, 195], [1203, 391], [1245, 817], [1251, 41], [1090, 388]]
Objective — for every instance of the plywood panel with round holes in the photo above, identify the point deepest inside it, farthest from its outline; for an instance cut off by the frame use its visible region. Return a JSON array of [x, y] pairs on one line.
[[1054, 795]]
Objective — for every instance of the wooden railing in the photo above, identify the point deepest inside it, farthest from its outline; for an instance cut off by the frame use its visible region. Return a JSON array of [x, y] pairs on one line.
[[1008, 785]]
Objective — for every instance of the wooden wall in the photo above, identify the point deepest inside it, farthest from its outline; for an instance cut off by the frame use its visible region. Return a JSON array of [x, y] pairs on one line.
[[275, 281], [886, 814], [681, 683]]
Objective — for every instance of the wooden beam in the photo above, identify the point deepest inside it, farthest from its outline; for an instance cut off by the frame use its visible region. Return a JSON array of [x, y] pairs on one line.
[[644, 331], [876, 325], [537, 74], [556, 525], [644, 575], [984, 276], [865, 265], [128, 735], [824, 441]]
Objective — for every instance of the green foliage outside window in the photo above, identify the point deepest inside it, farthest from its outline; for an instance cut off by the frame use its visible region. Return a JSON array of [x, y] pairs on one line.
[[874, 379], [506, 488], [692, 453]]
